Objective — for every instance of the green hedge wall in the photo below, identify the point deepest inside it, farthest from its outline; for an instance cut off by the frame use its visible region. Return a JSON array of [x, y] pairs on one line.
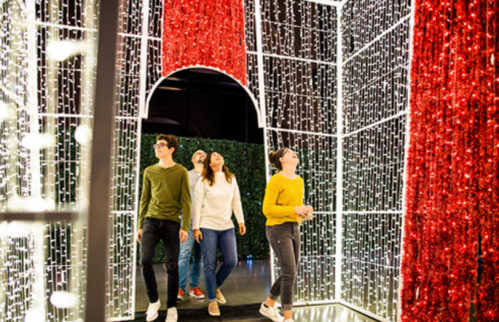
[[247, 162]]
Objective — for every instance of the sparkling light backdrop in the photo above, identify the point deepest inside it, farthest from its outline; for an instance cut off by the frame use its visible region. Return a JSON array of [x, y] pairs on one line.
[[375, 36], [299, 40], [292, 71], [451, 248]]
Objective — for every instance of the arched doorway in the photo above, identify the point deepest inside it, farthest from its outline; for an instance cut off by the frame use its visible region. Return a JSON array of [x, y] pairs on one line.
[[203, 102], [197, 104]]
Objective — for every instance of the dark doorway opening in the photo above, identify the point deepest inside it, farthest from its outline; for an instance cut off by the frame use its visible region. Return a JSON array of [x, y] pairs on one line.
[[200, 102]]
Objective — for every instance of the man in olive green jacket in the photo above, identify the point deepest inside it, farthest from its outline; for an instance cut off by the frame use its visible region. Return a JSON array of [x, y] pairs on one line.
[[165, 197]]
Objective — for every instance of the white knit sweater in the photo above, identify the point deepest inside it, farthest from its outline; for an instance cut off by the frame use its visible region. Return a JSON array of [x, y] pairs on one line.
[[213, 206]]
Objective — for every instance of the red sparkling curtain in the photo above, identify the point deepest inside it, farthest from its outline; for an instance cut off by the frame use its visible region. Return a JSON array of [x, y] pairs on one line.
[[452, 196], [204, 32]]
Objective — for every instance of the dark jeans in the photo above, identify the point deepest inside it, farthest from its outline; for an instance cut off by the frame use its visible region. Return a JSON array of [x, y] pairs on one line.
[[153, 231], [212, 239], [285, 241]]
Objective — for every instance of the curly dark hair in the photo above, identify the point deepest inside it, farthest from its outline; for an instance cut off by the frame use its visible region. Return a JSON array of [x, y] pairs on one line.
[[208, 173], [171, 140]]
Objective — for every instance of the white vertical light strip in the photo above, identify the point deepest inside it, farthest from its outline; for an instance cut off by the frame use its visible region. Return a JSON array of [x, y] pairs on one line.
[[144, 44], [89, 59], [52, 93], [406, 148], [38, 264], [263, 109], [32, 99], [144, 51], [339, 157], [261, 78], [35, 167], [86, 97]]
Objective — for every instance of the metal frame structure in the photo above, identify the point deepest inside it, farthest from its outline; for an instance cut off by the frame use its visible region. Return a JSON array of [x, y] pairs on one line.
[[307, 86]]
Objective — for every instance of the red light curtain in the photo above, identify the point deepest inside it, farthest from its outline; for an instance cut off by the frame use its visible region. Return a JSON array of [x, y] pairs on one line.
[[452, 194], [204, 32]]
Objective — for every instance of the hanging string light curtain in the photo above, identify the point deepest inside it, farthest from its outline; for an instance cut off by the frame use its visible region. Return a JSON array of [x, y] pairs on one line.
[[452, 197], [204, 32]]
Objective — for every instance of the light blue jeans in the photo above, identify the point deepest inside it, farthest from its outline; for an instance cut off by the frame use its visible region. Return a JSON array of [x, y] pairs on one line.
[[184, 259], [213, 239]]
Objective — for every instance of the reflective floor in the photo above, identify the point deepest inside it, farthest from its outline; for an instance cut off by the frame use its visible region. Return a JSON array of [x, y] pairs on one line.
[[249, 283], [245, 289], [322, 313]]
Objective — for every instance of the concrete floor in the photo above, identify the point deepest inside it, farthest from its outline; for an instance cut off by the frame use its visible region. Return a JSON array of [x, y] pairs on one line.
[[249, 283]]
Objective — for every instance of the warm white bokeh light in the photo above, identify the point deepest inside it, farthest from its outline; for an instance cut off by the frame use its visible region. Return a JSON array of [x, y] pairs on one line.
[[6, 111], [40, 141], [63, 300], [34, 316], [83, 134], [62, 50]]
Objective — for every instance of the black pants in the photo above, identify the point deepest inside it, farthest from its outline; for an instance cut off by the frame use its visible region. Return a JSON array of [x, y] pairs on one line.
[[285, 241], [153, 231]]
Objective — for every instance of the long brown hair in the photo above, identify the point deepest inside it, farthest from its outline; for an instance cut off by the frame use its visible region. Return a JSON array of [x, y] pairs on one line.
[[208, 173]]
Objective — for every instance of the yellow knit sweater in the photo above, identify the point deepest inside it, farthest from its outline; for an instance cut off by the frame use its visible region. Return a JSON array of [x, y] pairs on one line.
[[282, 195]]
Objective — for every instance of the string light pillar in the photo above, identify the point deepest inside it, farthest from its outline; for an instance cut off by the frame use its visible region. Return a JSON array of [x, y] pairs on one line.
[[339, 159], [89, 57], [144, 51], [16, 260], [142, 113], [263, 109], [38, 304]]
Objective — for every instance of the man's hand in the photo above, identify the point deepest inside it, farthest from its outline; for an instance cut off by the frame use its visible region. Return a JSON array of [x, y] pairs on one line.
[[198, 235], [139, 235], [242, 229], [311, 209], [182, 235]]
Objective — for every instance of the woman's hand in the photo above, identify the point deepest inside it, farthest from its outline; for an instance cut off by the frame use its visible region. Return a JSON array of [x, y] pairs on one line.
[[198, 235], [302, 210], [311, 209], [242, 229]]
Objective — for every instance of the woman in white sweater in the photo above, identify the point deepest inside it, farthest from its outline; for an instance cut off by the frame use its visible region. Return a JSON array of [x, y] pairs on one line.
[[216, 196]]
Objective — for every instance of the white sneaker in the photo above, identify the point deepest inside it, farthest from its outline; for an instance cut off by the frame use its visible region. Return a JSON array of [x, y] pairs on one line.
[[271, 313], [152, 311], [172, 316]]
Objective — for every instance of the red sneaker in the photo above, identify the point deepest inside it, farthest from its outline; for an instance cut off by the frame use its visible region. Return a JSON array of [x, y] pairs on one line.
[[180, 295], [197, 293]]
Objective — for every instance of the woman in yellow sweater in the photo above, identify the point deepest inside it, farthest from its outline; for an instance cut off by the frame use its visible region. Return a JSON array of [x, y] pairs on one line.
[[284, 209]]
